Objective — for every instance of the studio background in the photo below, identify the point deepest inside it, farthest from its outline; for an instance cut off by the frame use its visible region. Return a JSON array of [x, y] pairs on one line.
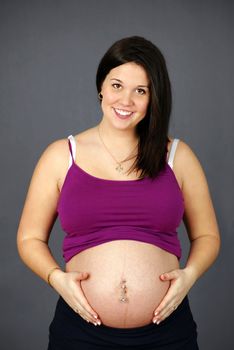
[[49, 54]]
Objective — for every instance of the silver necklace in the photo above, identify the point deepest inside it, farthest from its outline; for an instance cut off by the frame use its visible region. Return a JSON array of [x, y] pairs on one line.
[[119, 166]]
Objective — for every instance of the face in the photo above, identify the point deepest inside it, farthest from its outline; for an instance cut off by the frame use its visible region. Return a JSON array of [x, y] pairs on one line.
[[126, 95]]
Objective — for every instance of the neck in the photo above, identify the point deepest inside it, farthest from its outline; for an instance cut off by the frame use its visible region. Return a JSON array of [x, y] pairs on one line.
[[118, 139]]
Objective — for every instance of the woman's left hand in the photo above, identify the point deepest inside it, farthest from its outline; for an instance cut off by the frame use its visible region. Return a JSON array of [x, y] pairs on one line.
[[181, 280]]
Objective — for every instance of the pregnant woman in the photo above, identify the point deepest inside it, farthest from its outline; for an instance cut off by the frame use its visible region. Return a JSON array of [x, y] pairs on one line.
[[120, 190]]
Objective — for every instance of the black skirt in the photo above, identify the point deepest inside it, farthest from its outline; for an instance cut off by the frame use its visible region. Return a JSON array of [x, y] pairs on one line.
[[69, 331]]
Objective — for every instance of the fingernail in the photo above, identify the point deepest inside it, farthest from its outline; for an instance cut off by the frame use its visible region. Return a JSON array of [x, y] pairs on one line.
[[99, 322], [95, 316], [95, 323], [154, 321], [156, 313], [158, 322]]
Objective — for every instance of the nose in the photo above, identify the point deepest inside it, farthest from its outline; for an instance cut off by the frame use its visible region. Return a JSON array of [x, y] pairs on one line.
[[126, 98]]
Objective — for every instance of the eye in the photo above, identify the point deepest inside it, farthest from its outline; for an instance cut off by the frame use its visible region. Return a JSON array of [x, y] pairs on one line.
[[116, 86], [141, 91]]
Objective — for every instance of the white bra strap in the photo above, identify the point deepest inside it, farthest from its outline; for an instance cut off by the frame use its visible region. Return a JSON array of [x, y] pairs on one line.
[[73, 146], [172, 152]]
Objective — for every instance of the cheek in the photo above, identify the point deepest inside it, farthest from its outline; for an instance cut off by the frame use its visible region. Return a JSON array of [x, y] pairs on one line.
[[108, 97], [143, 106]]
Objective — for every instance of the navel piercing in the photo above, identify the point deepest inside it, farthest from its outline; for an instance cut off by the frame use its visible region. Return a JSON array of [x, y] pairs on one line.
[[123, 297]]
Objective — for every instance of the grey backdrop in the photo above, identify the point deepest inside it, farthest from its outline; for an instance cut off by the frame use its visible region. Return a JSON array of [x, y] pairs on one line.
[[49, 55]]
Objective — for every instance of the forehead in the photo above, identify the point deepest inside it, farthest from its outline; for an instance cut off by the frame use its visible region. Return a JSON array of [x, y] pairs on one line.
[[129, 72]]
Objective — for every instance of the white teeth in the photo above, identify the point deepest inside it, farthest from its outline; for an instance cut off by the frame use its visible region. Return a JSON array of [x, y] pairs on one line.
[[122, 112]]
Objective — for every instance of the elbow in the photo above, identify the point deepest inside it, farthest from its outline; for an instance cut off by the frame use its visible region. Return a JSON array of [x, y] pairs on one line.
[[25, 245], [20, 244], [217, 244]]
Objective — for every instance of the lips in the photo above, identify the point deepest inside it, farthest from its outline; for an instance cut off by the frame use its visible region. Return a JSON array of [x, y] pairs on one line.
[[122, 114]]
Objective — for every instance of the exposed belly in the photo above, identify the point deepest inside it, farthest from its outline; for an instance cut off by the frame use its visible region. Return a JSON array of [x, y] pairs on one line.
[[124, 287]]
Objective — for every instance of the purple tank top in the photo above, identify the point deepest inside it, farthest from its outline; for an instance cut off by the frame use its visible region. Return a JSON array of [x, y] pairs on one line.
[[93, 211]]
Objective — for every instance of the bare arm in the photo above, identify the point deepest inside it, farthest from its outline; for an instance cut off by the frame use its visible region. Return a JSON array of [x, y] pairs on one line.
[[202, 229], [38, 217], [199, 218], [39, 213]]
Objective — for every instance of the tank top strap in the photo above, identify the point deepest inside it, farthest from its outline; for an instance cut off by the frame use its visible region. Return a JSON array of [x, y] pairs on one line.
[[72, 148], [172, 152]]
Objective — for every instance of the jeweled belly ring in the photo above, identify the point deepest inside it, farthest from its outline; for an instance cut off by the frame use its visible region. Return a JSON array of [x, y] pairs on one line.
[[123, 297]]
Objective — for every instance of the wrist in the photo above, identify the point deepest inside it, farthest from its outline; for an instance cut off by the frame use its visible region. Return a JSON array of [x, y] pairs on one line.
[[192, 273], [53, 274]]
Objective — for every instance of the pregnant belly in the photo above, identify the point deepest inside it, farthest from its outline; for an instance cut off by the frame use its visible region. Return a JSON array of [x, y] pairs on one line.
[[123, 286]]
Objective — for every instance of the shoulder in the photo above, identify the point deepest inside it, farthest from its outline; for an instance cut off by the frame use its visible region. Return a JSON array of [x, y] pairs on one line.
[[52, 162], [187, 165], [184, 152], [56, 154], [58, 150], [55, 151]]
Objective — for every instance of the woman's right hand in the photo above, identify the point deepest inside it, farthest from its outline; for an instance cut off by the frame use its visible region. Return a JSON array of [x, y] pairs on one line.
[[68, 285]]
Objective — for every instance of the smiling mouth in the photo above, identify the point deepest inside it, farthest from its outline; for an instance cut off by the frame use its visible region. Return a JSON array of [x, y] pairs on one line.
[[122, 113]]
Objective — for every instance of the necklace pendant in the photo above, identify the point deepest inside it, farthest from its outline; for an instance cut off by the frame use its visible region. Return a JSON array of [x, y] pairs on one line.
[[119, 168]]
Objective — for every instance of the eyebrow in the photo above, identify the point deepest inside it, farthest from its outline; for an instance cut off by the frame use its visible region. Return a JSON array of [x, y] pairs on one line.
[[145, 86]]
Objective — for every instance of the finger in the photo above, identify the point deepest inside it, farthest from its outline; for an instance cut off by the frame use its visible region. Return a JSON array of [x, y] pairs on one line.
[[161, 311], [166, 312], [83, 301], [85, 315], [82, 275], [81, 314], [167, 276], [168, 300], [85, 309], [88, 312]]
